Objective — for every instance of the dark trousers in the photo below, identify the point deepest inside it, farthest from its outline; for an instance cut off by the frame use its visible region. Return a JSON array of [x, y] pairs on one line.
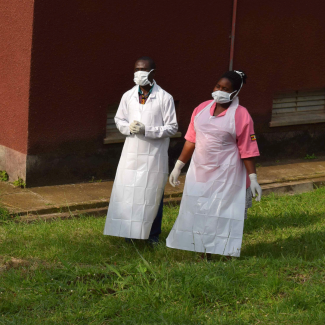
[[156, 225]]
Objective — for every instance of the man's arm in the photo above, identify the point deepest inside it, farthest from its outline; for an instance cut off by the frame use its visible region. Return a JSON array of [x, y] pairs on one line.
[[122, 117], [170, 126]]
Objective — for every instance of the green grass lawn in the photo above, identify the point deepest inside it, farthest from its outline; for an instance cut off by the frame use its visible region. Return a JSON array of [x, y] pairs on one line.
[[67, 272]]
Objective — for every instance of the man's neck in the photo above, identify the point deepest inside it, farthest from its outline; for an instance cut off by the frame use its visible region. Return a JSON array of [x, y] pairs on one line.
[[145, 89]]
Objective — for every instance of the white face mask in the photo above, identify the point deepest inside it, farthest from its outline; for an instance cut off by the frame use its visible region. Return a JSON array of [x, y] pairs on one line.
[[221, 97], [141, 78]]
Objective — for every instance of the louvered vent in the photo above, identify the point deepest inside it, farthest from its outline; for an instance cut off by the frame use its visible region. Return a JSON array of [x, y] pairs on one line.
[[113, 135], [298, 107], [110, 126]]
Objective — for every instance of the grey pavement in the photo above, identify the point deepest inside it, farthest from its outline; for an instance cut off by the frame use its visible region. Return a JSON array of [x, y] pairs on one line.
[[73, 199]]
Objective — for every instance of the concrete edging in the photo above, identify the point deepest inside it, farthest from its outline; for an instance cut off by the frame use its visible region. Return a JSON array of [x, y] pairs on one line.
[[100, 208]]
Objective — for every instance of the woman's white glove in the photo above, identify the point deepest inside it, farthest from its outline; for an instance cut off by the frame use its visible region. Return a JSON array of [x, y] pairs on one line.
[[255, 187], [173, 178], [137, 127]]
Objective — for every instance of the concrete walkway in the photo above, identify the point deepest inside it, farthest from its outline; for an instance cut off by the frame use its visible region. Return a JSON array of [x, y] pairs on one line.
[[73, 199]]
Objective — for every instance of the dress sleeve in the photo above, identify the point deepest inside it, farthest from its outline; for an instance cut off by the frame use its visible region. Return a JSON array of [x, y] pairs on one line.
[[122, 117], [170, 126], [191, 134], [245, 135]]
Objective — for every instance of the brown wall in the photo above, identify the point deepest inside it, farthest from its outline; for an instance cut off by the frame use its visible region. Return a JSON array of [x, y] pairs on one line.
[[82, 61], [281, 46], [16, 20], [83, 58]]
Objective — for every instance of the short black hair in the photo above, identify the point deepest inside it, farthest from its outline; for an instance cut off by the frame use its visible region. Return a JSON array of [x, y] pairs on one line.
[[235, 78], [149, 59]]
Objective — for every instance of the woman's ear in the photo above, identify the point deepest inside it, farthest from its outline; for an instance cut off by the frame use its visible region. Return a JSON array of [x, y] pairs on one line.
[[233, 94]]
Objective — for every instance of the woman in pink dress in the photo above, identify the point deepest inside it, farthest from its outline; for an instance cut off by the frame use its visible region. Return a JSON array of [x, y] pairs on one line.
[[221, 178]]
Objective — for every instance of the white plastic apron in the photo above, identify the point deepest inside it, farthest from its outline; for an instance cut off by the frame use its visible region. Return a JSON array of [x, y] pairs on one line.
[[141, 176], [211, 215]]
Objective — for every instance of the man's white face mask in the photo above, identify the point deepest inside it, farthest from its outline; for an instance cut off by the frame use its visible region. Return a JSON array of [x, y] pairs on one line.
[[141, 78], [222, 97]]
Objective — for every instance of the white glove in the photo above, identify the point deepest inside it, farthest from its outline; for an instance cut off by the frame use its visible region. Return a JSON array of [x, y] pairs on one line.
[[137, 127], [255, 187], [132, 125], [173, 178]]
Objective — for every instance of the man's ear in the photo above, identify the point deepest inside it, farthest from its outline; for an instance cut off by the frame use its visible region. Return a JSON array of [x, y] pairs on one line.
[[152, 75]]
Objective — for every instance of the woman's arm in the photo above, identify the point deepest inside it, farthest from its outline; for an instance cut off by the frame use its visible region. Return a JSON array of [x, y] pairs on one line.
[[251, 170], [187, 152], [250, 165], [185, 156]]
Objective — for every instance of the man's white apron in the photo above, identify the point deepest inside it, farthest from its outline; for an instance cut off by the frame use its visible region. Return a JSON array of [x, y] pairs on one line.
[[141, 175], [211, 215]]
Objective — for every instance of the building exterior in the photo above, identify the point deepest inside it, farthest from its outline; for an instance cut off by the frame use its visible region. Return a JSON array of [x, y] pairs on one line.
[[64, 66]]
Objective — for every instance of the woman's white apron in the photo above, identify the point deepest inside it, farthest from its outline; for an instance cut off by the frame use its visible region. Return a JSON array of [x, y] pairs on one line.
[[141, 175], [211, 216]]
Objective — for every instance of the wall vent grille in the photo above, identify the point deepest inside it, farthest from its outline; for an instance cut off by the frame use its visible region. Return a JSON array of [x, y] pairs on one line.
[[298, 107]]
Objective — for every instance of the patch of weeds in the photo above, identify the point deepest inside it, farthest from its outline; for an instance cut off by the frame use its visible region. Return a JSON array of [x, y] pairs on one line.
[[19, 183], [4, 177], [277, 161], [4, 215], [95, 181], [87, 278], [258, 165], [310, 156]]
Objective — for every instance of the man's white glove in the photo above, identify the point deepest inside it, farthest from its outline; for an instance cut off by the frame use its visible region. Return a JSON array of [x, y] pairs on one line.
[[255, 187], [137, 127], [173, 178]]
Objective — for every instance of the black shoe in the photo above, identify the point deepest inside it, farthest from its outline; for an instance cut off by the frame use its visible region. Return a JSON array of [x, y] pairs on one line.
[[153, 240], [129, 240]]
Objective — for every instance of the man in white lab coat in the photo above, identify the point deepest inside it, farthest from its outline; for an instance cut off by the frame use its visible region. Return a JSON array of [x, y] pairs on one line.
[[146, 115]]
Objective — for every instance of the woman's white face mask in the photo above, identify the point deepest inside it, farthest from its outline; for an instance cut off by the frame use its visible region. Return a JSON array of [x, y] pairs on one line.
[[141, 78], [222, 97]]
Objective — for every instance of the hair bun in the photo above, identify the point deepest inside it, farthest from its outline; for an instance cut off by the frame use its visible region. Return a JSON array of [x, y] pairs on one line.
[[242, 74]]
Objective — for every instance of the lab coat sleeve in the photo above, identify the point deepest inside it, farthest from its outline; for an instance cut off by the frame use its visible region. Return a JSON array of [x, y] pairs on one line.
[[122, 117], [170, 126]]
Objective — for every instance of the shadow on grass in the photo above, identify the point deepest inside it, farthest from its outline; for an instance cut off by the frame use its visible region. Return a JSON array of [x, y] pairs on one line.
[[308, 246], [283, 220]]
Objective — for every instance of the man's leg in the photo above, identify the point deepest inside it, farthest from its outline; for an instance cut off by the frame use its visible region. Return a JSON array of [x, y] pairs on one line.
[[156, 225]]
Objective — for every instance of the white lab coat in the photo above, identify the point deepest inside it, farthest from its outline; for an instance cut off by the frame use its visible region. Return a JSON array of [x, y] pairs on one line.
[[143, 168]]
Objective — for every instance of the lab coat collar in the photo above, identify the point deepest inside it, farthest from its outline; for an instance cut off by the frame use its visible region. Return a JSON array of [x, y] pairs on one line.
[[153, 92]]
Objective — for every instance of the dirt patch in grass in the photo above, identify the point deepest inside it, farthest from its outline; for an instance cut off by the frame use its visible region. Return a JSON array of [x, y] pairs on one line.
[[7, 263]]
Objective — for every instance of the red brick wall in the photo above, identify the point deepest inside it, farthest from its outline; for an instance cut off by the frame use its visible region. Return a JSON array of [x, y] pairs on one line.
[[281, 46], [16, 19], [82, 60], [84, 53]]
